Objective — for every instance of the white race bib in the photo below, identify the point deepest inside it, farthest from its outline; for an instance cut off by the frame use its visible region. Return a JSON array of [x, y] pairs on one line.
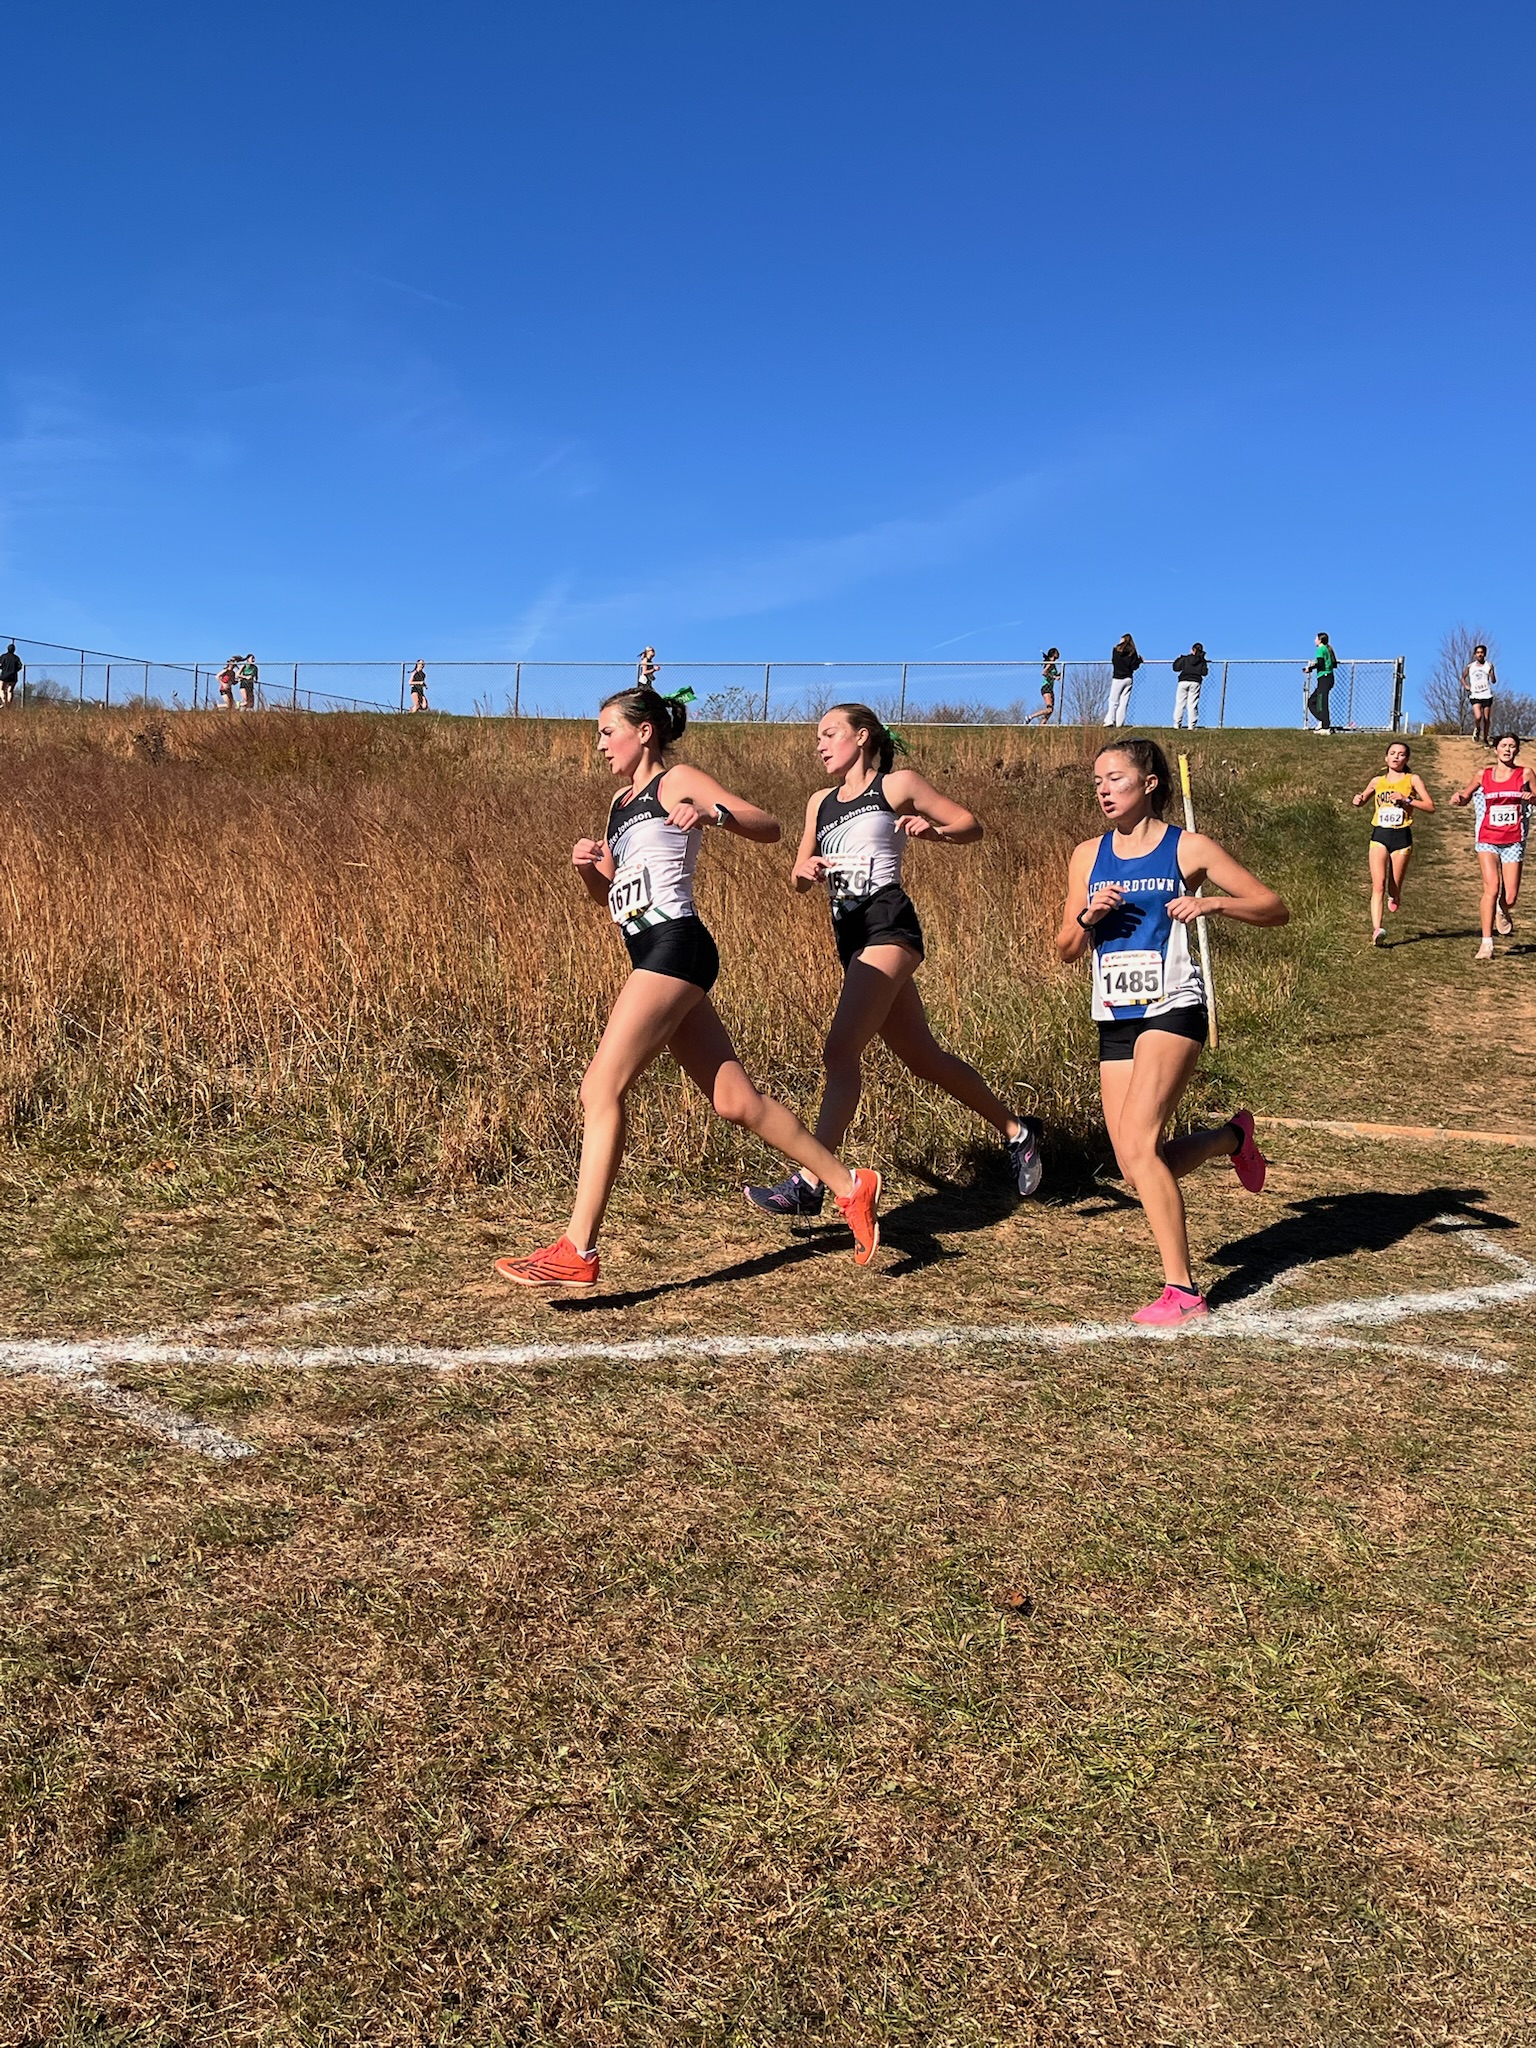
[[1131, 977], [1390, 816], [630, 893], [849, 877], [1501, 816]]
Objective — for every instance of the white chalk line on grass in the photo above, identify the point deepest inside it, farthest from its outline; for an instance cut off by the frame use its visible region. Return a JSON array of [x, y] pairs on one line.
[[78, 1365]]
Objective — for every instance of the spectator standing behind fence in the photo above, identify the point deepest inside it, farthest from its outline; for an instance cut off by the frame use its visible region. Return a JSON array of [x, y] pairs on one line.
[[10, 671], [648, 668], [1322, 665], [1479, 682], [227, 683], [249, 676], [1123, 664], [1050, 682], [1191, 670], [419, 687]]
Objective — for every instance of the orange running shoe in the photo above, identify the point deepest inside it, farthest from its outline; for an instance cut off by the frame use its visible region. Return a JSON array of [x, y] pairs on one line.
[[553, 1265], [859, 1213]]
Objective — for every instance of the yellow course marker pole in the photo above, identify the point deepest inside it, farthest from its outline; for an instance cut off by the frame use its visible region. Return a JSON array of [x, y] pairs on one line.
[[1204, 935]]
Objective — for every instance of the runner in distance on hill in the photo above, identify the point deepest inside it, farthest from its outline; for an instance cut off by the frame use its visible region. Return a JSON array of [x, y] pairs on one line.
[[1394, 797]]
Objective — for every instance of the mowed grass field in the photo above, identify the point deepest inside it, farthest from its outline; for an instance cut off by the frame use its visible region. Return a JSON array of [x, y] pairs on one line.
[[966, 1693]]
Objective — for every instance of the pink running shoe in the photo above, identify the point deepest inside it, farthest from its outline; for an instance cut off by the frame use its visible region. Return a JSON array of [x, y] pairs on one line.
[[1174, 1305], [1248, 1162]]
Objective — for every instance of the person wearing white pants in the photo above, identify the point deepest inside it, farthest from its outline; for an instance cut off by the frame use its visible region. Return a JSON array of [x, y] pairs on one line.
[[1191, 670], [1123, 664]]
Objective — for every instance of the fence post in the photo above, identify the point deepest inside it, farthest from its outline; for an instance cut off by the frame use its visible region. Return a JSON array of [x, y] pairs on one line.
[[903, 711], [23, 684], [107, 695], [1399, 674], [82, 675], [402, 686], [767, 672], [1221, 715], [295, 686], [517, 691], [146, 684], [196, 672]]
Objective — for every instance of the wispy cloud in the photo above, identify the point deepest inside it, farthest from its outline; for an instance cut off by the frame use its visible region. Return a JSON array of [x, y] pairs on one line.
[[1001, 626], [539, 618], [798, 572], [411, 291]]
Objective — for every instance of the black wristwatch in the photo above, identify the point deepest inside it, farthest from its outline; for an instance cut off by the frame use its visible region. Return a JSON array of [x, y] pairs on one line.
[[1085, 921], [722, 815]]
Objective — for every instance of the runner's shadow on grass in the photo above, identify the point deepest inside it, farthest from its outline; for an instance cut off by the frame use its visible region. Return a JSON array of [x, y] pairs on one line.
[[1426, 938], [1334, 1226], [913, 1228], [819, 1244]]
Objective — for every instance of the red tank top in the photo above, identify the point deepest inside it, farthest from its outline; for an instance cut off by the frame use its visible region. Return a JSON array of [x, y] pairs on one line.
[[1504, 817]]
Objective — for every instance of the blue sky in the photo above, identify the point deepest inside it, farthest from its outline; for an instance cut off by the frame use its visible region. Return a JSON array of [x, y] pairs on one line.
[[800, 332]]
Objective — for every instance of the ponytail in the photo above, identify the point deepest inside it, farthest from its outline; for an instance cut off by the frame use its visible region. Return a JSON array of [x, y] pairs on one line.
[[885, 740], [641, 705]]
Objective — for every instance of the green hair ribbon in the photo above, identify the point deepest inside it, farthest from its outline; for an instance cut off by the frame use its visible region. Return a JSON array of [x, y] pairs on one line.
[[897, 741], [682, 696]]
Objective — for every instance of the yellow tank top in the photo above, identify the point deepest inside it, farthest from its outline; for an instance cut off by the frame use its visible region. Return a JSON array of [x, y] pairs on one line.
[[1392, 793]]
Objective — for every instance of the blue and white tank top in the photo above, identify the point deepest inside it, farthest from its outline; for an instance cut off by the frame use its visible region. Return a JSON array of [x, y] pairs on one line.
[[653, 862], [1143, 964], [861, 844]]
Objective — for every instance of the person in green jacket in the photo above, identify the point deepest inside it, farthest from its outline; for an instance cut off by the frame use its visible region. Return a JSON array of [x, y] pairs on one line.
[[1322, 666]]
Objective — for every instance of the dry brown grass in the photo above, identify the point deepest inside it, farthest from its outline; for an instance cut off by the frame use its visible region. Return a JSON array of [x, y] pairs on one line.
[[365, 933]]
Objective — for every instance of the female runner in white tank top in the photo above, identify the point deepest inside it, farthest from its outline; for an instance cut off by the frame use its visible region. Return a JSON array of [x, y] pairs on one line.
[[855, 835], [1479, 679], [641, 872], [1131, 902]]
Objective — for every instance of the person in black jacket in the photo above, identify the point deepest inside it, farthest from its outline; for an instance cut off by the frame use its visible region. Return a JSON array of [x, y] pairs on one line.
[[1123, 664], [10, 671], [1191, 670]]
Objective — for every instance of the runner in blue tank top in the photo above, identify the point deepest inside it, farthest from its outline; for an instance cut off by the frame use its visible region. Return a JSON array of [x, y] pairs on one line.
[[1131, 902]]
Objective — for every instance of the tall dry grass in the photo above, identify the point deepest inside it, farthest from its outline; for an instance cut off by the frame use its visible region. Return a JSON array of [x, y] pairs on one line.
[[365, 935]]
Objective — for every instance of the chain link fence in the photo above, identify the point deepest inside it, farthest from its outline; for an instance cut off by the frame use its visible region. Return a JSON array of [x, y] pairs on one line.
[[1367, 695]]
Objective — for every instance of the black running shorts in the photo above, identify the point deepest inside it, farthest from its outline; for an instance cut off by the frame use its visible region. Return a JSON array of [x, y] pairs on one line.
[[682, 948], [1117, 1038], [1395, 838], [887, 918]]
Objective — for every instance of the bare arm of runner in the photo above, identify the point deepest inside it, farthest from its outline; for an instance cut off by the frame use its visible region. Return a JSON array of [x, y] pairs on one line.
[[1072, 941], [693, 798], [593, 861], [1365, 795], [1464, 796], [1421, 800], [930, 816], [809, 869], [1244, 897]]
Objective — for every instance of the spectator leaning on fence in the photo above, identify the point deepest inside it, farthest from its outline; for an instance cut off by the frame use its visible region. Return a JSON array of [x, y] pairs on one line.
[[10, 671], [248, 678], [1322, 665], [1123, 664], [1191, 670]]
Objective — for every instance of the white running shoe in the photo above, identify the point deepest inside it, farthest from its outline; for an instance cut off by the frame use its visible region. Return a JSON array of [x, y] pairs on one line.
[[1503, 923], [1485, 950]]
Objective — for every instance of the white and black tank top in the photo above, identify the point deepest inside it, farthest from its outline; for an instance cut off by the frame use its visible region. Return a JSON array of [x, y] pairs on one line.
[[653, 862], [861, 844]]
